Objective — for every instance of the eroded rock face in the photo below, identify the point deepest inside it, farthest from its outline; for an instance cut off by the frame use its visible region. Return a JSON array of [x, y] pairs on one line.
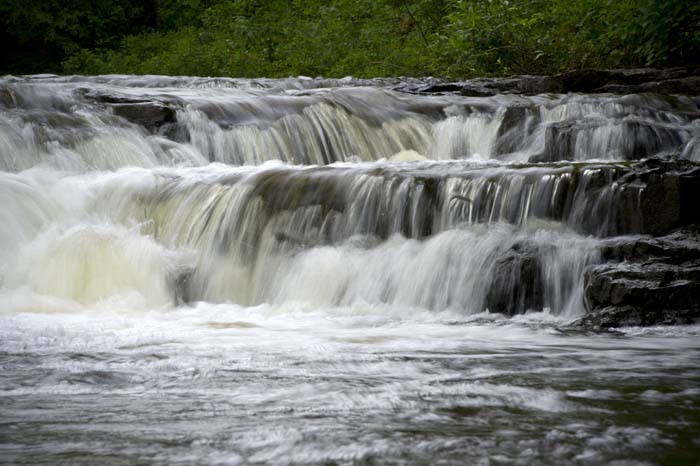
[[642, 285], [656, 282]]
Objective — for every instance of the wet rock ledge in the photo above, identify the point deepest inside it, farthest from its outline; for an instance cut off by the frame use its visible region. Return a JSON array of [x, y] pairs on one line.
[[682, 80], [650, 276], [152, 114], [649, 281]]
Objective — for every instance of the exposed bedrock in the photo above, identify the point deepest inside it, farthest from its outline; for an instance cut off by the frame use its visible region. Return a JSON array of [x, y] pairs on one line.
[[689, 85], [150, 113], [645, 293], [633, 81], [651, 197], [675, 248], [652, 281], [667, 194]]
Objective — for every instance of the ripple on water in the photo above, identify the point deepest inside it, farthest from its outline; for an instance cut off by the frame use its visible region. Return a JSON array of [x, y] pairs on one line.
[[234, 385]]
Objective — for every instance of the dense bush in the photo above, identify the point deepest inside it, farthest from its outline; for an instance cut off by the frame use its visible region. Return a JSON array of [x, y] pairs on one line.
[[453, 38]]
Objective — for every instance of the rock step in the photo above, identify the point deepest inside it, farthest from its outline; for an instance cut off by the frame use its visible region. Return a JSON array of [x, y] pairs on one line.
[[669, 81], [655, 282]]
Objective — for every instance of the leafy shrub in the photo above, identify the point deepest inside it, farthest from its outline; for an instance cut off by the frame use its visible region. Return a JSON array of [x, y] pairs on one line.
[[452, 38]]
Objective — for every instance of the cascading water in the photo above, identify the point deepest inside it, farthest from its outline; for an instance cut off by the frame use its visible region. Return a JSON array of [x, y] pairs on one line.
[[196, 237]]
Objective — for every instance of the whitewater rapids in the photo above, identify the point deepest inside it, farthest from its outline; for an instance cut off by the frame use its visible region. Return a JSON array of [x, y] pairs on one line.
[[302, 272]]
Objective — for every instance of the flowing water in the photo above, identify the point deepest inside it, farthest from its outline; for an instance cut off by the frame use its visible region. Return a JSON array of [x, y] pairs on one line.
[[302, 271]]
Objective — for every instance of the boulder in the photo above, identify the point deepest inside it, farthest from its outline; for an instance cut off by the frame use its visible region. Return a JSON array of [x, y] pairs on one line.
[[517, 282]]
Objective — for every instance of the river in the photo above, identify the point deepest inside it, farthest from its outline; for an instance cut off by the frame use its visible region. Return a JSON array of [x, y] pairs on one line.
[[306, 271]]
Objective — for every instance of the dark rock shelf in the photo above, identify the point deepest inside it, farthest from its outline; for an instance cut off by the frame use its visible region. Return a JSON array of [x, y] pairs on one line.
[[655, 281], [634, 81]]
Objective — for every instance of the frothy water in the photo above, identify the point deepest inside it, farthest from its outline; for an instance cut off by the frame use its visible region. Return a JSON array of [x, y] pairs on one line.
[[221, 271], [79, 123], [365, 384]]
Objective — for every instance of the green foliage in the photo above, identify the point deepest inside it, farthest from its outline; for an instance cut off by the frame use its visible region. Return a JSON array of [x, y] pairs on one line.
[[501, 36], [666, 30], [249, 38], [284, 37]]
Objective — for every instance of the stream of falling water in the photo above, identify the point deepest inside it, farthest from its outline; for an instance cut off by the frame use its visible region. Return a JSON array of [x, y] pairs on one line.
[[219, 271]]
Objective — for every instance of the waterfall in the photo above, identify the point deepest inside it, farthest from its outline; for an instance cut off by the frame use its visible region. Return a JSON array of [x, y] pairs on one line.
[[151, 192]]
